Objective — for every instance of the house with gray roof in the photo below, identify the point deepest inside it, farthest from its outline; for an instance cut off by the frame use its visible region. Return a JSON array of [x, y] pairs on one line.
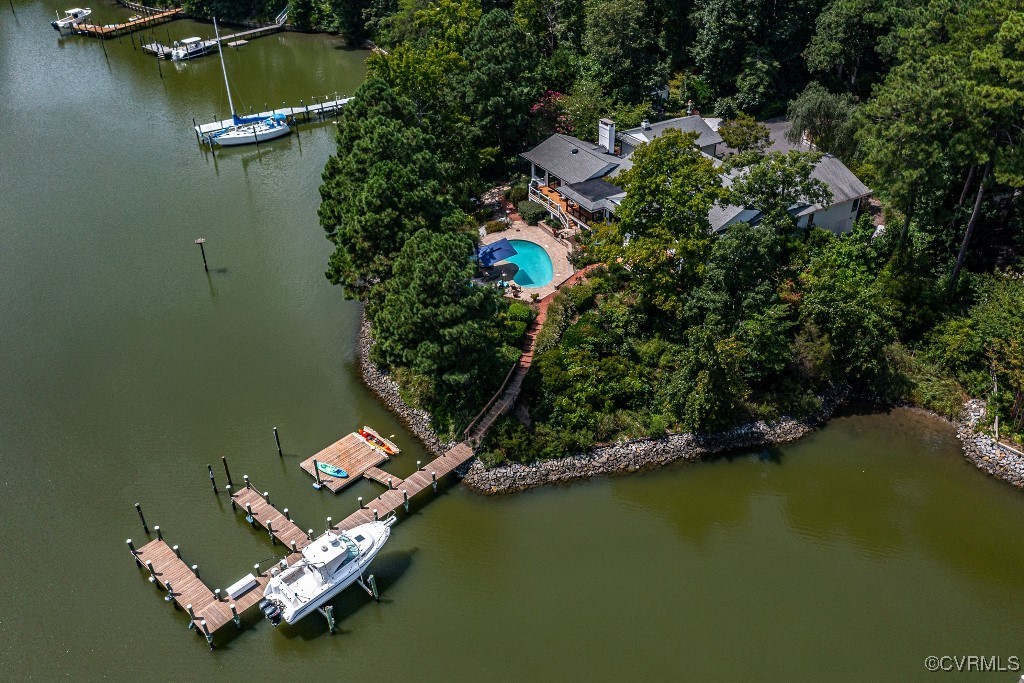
[[575, 179]]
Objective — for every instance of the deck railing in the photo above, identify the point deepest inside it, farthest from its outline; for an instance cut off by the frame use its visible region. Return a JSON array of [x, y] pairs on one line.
[[554, 208]]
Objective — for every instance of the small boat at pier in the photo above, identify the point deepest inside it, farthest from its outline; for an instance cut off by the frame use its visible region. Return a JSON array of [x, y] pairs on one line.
[[189, 48], [329, 565], [375, 440], [72, 18]]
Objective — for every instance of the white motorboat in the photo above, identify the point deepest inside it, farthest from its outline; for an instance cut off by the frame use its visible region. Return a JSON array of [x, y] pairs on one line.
[[245, 130], [72, 17], [329, 565], [189, 48]]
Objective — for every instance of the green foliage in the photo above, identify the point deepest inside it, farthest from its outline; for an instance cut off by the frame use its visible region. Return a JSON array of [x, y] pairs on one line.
[[777, 181], [429, 319], [532, 212], [669, 191], [380, 147], [621, 38], [491, 227], [826, 118], [743, 133]]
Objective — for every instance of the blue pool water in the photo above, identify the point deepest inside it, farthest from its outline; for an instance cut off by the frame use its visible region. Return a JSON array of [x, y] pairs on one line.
[[535, 269]]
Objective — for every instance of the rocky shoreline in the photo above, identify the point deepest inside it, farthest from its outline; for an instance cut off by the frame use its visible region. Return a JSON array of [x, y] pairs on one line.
[[981, 449], [640, 454], [386, 389]]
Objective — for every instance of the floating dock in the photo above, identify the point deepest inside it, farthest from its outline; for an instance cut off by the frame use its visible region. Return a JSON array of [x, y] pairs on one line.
[[354, 454]]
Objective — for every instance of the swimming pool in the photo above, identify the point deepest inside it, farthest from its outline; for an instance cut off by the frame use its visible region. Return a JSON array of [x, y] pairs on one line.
[[535, 268]]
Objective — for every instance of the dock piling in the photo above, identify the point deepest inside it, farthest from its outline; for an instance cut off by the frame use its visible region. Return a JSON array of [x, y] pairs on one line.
[[230, 497], [195, 570], [227, 472], [138, 508], [170, 594], [277, 439], [391, 486], [294, 548], [266, 497], [328, 524], [159, 534], [329, 614], [405, 499], [375, 514], [209, 468], [245, 477], [316, 472], [433, 480], [235, 616], [177, 552], [310, 534], [373, 587], [287, 515], [248, 515], [152, 572], [360, 501], [202, 250], [131, 546], [270, 530], [419, 465], [216, 591]]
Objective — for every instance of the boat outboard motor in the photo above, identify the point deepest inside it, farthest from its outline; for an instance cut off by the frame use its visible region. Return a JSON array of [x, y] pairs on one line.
[[271, 610]]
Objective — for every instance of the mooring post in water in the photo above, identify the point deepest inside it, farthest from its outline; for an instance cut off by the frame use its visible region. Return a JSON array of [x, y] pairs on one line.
[[294, 547], [132, 36], [373, 587], [310, 534], [216, 593], [277, 439], [287, 515], [375, 514], [328, 524], [170, 593], [138, 508], [202, 250], [131, 546], [270, 530], [152, 572], [360, 501], [159, 534], [191, 612], [405, 499], [245, 478], [433, 480], [418, 465], [227, 472], [266, 497], [230, 497], [390, 485], [103, 42], [206, 632], [236, 616], [209, 468], [316, 473], [177, 552]]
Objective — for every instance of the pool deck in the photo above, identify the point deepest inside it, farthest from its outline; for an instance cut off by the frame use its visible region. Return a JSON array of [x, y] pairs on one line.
[[558, 252]]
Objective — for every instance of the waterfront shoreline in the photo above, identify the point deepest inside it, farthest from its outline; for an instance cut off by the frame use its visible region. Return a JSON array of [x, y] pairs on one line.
[[649, 453]]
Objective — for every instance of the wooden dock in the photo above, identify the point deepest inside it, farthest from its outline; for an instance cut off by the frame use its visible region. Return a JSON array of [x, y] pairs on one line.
[[279, 526], [351, 454], [114, 30], [319, 110], [234, 40], [208, 611]]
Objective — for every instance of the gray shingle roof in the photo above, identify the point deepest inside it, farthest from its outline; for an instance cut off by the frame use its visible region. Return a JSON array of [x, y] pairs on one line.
[[687, 124], [572, 159], [841, 180]]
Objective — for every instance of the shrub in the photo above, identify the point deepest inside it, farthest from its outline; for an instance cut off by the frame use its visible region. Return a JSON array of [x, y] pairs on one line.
[[494, 226], [518, 193], [531, 212], [517, 310]]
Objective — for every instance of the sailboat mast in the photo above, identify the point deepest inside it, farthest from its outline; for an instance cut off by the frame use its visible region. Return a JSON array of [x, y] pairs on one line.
[[223, 68]]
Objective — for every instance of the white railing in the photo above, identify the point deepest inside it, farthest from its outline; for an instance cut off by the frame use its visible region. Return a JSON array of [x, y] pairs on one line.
[[555, 209]]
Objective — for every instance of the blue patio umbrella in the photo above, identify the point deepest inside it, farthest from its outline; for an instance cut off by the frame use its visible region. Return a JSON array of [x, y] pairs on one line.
[[489, 254]]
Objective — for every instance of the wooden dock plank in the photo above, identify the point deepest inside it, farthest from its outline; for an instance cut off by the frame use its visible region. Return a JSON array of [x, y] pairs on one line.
[[268, 516], [351, 454]]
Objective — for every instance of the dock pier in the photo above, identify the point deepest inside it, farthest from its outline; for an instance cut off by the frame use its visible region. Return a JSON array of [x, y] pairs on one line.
[[234, 40], [210, 610], [153, 17]]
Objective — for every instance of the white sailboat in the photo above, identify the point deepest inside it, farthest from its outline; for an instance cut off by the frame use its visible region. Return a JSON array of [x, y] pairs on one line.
[[329, 565], [72, 17], [246, 130]]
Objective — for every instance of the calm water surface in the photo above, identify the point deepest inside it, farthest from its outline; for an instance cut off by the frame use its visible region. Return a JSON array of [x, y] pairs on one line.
[[850, 555]]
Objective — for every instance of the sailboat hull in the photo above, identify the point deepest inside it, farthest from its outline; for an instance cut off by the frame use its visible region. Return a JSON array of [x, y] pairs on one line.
[[250, 135]]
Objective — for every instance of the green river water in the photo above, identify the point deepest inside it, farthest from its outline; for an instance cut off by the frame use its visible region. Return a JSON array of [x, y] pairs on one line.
[[848, 556]]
